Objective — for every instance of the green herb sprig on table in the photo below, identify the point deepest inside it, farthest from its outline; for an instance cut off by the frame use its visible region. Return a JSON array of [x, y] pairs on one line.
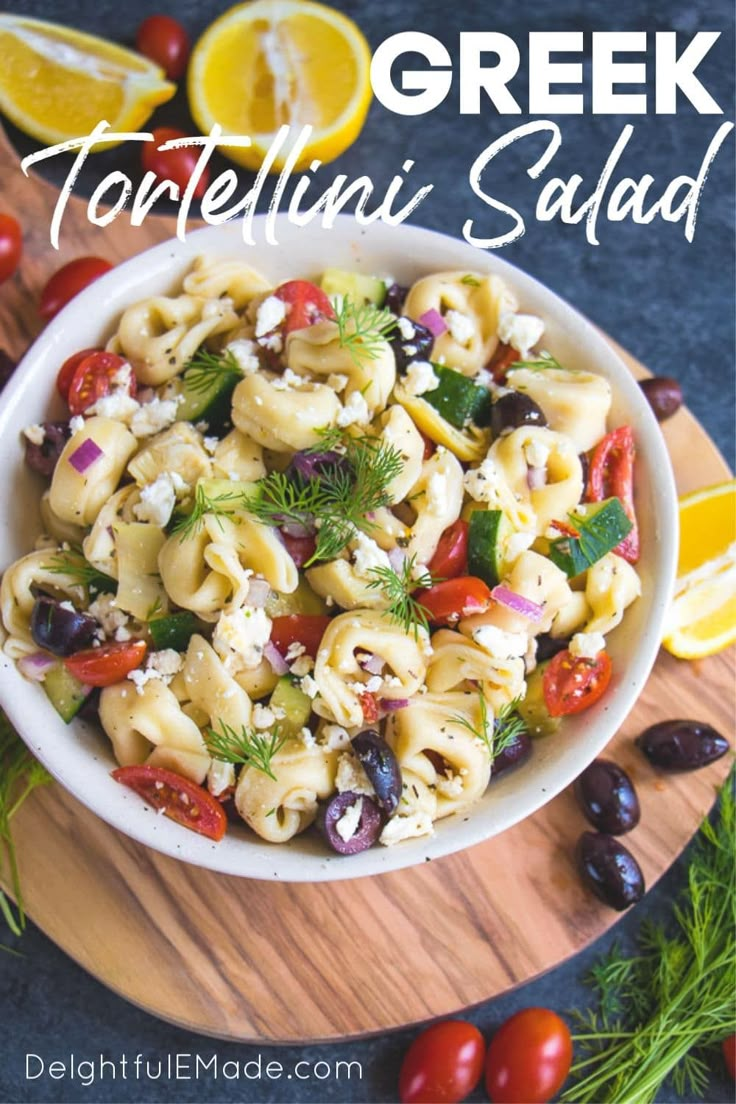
[[398, 587], [250, 746], [363, 329]]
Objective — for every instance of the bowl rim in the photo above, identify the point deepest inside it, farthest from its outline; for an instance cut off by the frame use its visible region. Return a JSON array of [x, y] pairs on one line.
[[279, 862]]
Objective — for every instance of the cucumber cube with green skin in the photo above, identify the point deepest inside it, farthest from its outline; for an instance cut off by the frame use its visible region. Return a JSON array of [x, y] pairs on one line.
[[533, 708], [301, 600], [458, 399], [601, 528], [297, 706], [355, 286], [174, 631], [211, 404], [65, 692], [488, 533]]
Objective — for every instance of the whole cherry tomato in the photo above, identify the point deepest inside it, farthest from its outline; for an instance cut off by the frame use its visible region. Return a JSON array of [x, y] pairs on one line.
[[68, 281], [67, 370], [728, 1046], [164, 41], [177, 797], [94, 377], [612, 474], [11, 246], [447, 602], [108, 664], [299, 628], [176, 165], [573, 683], [305, 303], [443, 1064], [529, 1058], [451, 557]]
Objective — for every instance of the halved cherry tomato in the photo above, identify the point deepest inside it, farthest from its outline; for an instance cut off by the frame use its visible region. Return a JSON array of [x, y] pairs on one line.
[[67, 370], [612, 474], [573, 683], [164, 40], [728, 1046], [529, 1058], [451, 557], [11, 246], [108, 664], [447, 602], [300, 549], [68, 281], [299, 628], [443, 1064], [182, 800], [306, 304], [94, 378], [369, 705], [501, 361], [429, 446], [176, 165]]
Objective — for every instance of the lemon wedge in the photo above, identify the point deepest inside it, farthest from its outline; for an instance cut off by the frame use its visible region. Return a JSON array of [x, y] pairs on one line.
[[57, 83], [702, 617], [274, 63]]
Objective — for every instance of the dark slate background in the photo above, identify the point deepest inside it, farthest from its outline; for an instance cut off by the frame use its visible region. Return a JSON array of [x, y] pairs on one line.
[[669, 302]]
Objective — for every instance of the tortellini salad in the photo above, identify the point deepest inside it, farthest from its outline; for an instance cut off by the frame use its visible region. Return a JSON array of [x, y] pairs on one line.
[[332, 553]]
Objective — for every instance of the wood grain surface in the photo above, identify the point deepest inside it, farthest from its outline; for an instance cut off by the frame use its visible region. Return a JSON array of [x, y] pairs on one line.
[[259, 961]]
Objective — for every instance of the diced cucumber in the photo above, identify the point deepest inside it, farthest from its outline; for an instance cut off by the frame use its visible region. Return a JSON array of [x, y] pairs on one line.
[[65, 692], [296, 705], [301, 600], [488, 533], [602, 527], [174, 631], [357, 287], [208, 401], [532, 708], [458, 399]]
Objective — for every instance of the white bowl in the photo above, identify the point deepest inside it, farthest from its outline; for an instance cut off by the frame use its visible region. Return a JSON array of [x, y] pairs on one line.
[[79, 755]]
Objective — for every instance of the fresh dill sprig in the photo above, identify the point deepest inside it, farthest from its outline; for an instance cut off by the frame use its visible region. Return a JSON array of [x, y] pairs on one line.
[[398, 587], [72, 563], [251, 746], [205, 369], [20, 774], [496, 735], [221, 505], [660, 1010], [544, 360], [363, 329]]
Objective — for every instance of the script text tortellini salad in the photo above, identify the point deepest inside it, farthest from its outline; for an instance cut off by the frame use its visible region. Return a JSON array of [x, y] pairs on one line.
[[333, 552]]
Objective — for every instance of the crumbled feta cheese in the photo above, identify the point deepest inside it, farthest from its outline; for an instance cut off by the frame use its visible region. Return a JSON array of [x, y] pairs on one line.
[[104, 610], [518, 543], [337, 381], [122, 377], [530, 656], [153, 416], [349, 822], [119, 404], [76, 423], [374, 684], [302, 666], [141, 676], [309, 686], [587, 645], [367, 555], [271, 313], [122, 634], [288, 381], [410, 350], [263, 717], [498, 643], [294, 650], [480, 483], [210, 444], [351, 776], [354, 412], [484, 378], [308, 738], [450, 785], [335, 736], [400, 828], [167, 663], [273, 341], [460, 326], [406, 328], [220, 777], [36, 434], [536, 454], [157, 501], [67, 605], [420, 378], [240, 636], [244, 352], [421, 574], [521, 331]]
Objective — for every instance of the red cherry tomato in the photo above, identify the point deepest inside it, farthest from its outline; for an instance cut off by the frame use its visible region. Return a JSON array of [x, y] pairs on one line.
[[447, 602], [501, 361], [529, 1058], [94, 378], [429, 446], [443, 1064], [612, 474], [11, 246], [369, 705], [300, 549], [68, 281], [67, 370], [182, 800], [176, 165], [573, 683], [728, 1046], [108, 664], [299, 628], [165, 42], [305, 303], [451, 557]]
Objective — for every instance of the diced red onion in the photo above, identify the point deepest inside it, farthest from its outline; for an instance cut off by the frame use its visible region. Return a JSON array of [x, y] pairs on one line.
[[83, 457], [397, 558], [36, 666], [296, 529], [536, 478], [373, 665], [392, 704], [517, 602], [258, 592], [279, 666], [434, 322]]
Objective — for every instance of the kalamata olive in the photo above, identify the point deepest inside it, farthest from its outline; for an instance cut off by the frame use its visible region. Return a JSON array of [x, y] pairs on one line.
[[548, 646], [59, 629], [7, 367], [663, 394], [43, 458], [395, 298], [515, 751], [366, 830], [310, 465], [415, 343], [513, 410], [608, 798], [682, 745], [382, 768], [610, 870]]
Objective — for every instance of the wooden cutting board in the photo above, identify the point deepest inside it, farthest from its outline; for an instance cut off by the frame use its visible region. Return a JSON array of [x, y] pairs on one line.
[[258, 961]]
